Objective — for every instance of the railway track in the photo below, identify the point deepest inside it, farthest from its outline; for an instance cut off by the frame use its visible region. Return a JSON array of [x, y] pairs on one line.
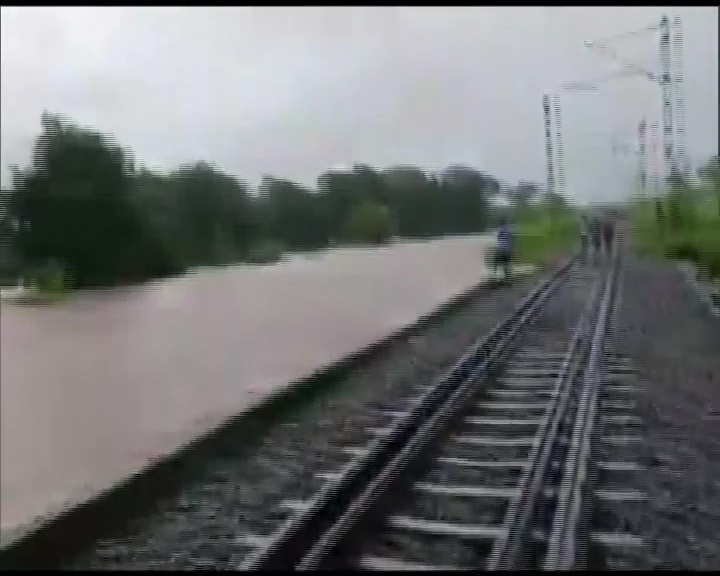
[[496, 465]]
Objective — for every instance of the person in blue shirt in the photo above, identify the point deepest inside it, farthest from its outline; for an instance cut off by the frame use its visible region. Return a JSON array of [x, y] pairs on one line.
[[505, 247]]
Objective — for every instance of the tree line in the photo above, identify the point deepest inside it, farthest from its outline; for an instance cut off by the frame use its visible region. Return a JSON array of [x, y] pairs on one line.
[[85, 207]]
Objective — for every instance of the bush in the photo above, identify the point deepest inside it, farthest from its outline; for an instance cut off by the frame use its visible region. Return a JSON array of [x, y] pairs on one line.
[[707, 240], [49, 281], [543, 236], [264, 252], [369, 222], [693, 236], [681, 249]]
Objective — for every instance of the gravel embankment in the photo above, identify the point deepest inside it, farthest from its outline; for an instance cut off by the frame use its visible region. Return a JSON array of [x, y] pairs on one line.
[[240, 486], [675, 344]]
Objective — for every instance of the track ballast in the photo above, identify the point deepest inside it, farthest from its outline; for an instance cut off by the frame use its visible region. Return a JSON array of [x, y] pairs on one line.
[[496, 465]]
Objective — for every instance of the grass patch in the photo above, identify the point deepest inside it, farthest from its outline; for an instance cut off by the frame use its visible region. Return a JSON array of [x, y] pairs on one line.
[[683, 225], [264, 252], [542, 235], [46, 284]]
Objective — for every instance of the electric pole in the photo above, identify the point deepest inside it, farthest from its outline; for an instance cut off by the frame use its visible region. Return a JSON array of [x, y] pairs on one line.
[[642, 166], [677, 60], [654, 168], [667, 107], [548, 144], [670, 80], [559, 146]]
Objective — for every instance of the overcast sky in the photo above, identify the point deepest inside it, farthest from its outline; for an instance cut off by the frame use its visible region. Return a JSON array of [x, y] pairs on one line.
[[294, 91]]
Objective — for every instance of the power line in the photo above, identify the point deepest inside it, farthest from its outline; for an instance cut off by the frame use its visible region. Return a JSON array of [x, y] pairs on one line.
[[670, 80]]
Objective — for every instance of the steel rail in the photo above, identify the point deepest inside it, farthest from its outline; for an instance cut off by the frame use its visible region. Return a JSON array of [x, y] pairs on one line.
[[566, 547], [306, 539], [511, 547], [429, 431]]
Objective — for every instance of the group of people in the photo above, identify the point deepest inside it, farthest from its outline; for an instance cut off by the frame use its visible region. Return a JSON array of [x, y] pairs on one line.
[[598, 232], [595, 231]]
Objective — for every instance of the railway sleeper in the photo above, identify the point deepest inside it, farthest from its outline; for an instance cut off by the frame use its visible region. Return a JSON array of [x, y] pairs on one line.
[[490, 405], [610, 466], [619, 404], [516, 393], [492, 532], [483, 492], [532, 373], [509, 382], [381, 563]]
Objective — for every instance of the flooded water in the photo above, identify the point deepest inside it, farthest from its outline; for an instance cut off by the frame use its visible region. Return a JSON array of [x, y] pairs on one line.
[[93, 387]]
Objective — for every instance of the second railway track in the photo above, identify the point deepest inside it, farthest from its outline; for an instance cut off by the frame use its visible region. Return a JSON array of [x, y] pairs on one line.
[[506, 462]]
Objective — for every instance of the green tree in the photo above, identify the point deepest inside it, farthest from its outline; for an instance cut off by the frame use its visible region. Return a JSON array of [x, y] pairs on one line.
[[369, 222], [84, 205], [74, 207], [709, 174], [212, 211], [293, 214]]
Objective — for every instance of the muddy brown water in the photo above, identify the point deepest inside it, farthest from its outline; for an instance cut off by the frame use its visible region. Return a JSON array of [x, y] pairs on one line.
[[95, 386]]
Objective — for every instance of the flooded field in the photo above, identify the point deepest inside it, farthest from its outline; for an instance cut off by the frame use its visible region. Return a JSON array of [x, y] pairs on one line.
[[95, 386]]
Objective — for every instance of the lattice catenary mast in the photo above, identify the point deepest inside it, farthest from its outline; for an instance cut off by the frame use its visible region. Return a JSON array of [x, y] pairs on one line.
[[676, 60], [667, 94], [559, 146], [548, 143], [642, 168], [671, 81]]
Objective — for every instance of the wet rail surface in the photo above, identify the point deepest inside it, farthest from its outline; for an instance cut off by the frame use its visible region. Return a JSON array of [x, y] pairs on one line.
[[510, 461], [467, 448]]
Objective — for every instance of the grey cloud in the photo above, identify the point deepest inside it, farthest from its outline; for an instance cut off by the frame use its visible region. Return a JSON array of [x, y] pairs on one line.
[[294, 91]]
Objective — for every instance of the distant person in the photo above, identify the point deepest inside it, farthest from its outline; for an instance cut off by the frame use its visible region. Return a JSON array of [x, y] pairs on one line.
[[596, 235], [504, 248], [584, 236], [608, 233]]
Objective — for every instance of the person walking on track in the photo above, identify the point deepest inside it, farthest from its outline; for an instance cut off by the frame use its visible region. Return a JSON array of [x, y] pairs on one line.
[[504, 248], [608, 233], [596, 236]]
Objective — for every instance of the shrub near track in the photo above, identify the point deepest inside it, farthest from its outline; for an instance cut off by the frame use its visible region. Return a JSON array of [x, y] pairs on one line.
[[683, 225], [544, 233]]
